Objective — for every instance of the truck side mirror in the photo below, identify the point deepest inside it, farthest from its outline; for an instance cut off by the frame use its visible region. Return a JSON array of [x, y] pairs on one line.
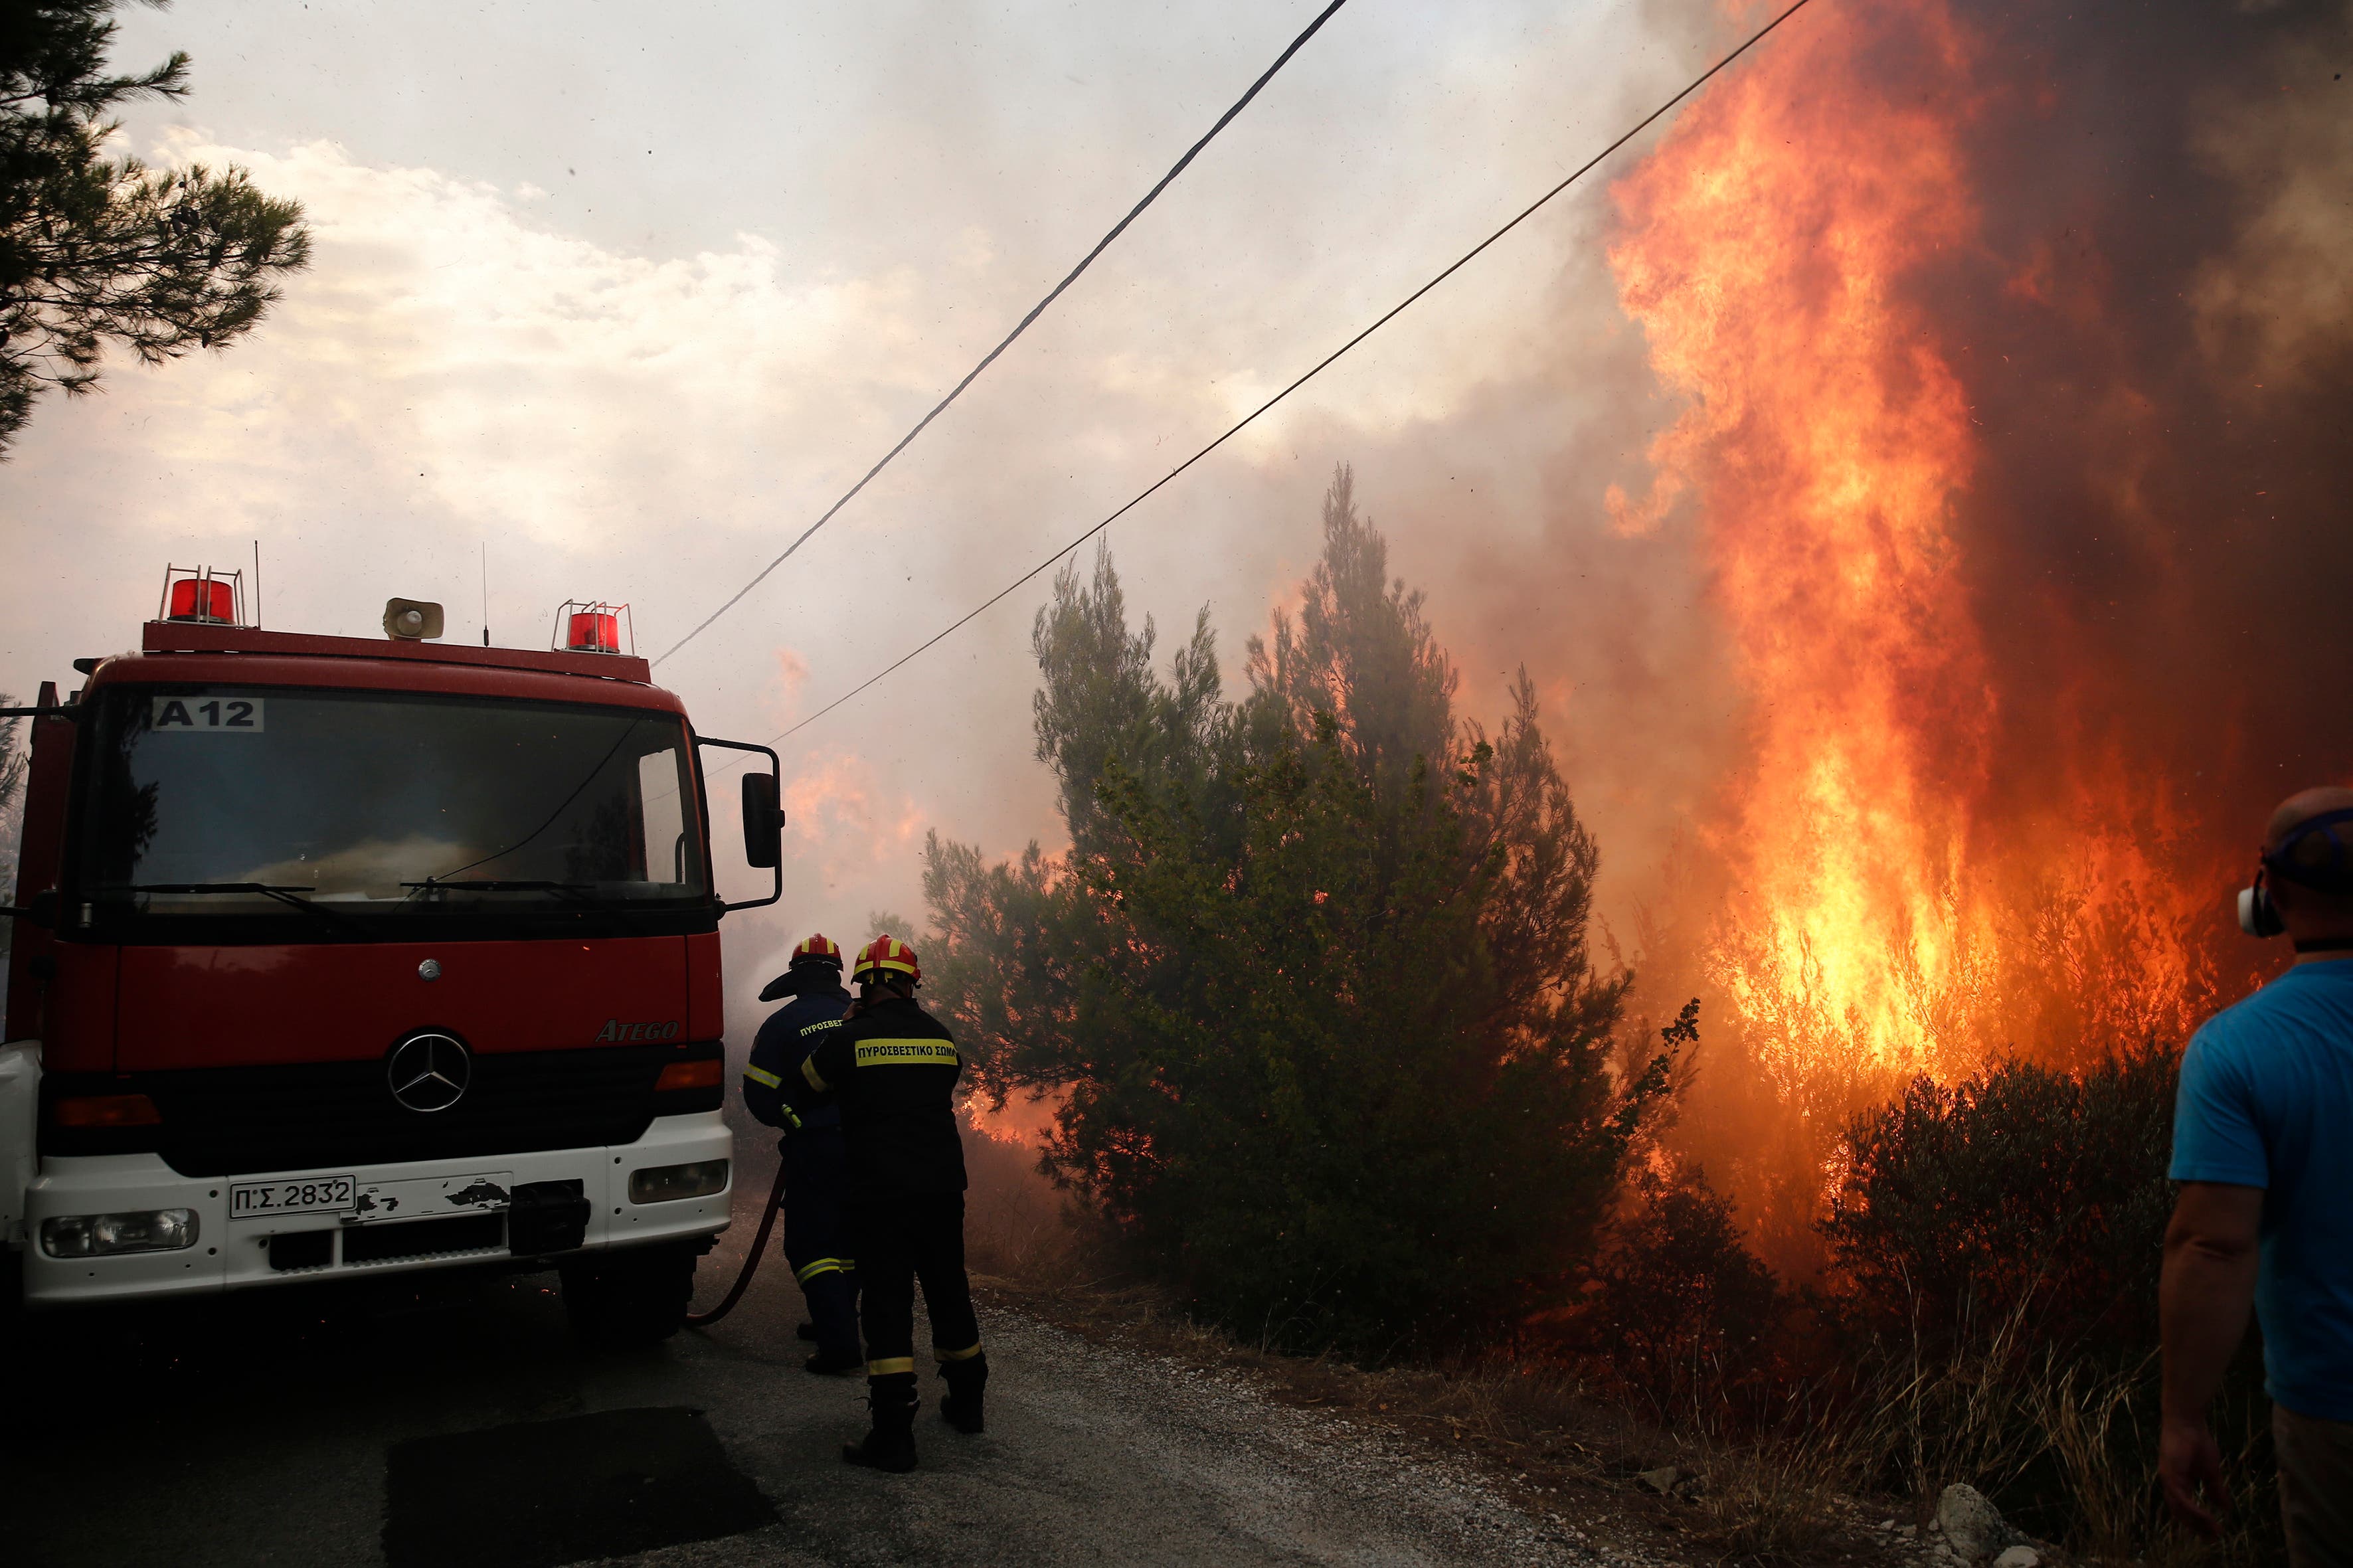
[[764, 822], [40, 910]]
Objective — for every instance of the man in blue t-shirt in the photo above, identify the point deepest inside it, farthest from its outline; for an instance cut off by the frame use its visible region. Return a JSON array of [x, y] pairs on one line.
[[2263, 1146]]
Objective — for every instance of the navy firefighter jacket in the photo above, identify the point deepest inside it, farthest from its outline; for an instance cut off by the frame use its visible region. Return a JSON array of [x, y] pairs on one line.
[[785, 1040], [893, 1070]]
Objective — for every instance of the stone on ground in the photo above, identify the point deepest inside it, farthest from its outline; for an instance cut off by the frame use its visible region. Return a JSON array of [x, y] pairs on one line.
[[1973, 1527]]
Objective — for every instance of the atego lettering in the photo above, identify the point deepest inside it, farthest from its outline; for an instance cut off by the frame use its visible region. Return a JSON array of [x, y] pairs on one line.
[[617, 1031]]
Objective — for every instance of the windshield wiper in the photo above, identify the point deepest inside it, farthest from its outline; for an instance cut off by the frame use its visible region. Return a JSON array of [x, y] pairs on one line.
[[284, 895], [579, 890], [579, 895]]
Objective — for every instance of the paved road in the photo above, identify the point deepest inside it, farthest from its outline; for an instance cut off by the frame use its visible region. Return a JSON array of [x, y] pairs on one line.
[[474, 1432]]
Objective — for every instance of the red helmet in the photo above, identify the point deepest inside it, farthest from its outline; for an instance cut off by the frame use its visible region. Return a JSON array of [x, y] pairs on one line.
[[819, 949], [887, 954]]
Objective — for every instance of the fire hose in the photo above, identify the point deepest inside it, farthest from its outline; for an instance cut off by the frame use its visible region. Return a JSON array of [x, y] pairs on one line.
[[751, 1258]]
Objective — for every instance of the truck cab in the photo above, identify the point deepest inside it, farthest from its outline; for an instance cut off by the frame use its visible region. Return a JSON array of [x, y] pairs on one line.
[[338, 958]]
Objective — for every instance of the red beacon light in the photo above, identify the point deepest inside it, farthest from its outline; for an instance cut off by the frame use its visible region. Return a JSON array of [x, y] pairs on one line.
[[203, 596], [593, 626]]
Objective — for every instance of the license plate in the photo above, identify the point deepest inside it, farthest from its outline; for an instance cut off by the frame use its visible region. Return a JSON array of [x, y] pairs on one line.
[[297, 1194]]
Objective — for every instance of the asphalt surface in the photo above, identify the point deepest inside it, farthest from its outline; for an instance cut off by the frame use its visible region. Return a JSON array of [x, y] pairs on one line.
[[469, 1429]]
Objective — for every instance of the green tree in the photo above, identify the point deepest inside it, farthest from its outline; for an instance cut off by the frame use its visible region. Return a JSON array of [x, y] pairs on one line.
[[1312, 976], [97, 250]]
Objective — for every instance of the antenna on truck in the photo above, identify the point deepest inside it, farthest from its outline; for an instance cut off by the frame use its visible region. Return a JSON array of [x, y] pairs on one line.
[[257, 581], [486, 593]]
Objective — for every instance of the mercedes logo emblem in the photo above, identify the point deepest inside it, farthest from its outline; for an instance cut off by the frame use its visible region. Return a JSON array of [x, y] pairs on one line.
[[429, 969], [428, 1072]]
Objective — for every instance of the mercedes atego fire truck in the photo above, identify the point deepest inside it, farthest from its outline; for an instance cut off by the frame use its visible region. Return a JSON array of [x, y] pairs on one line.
[[338, 958]]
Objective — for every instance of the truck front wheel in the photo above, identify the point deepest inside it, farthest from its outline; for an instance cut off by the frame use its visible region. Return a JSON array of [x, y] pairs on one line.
[[636, 1297]]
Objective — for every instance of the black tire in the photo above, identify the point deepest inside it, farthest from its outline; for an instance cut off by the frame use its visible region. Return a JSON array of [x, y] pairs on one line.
[[636, 1297]]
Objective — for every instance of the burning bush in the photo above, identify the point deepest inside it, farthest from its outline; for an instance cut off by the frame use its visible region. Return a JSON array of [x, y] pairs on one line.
[[1314, 971], [2018, 1197], [1679, 1317], [1995, 1246]]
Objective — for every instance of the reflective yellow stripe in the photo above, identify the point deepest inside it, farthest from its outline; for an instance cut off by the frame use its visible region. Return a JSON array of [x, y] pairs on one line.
[[907, 1053], [889, 1364], [808, 1071], [820, 1266], [966, 1354], [762, 1075]]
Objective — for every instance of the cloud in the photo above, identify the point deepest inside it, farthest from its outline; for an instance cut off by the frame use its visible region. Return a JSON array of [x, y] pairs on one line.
[[542, 382]]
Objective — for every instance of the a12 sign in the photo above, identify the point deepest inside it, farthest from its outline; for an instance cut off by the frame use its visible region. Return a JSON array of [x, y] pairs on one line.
[[224, 715]]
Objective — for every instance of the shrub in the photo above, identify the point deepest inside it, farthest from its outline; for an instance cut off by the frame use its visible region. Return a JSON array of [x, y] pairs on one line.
[[2019, 1201], [1996, 1245], [1679, 1315]]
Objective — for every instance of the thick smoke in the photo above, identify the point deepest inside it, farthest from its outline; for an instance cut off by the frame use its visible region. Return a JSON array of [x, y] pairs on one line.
[[2159, 348], [2117, 633]]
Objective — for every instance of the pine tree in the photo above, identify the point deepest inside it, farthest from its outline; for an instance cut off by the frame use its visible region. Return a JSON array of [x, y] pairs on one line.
[[1312, 976], [95, 251]]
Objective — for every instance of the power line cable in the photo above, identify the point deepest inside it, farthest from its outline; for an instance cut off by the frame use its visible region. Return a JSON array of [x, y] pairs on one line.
[[1035, 311], [1467, 257]]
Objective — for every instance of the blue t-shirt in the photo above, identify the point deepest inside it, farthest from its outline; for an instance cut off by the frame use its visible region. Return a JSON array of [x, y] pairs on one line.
[[2267, 1101]]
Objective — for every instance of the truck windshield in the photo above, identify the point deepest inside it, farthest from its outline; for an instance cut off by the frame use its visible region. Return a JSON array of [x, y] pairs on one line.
[[367, 810]]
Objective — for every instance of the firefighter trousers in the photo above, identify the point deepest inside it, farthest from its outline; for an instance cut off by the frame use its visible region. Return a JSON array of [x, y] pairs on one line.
[[818, 1236], [904, 1237]]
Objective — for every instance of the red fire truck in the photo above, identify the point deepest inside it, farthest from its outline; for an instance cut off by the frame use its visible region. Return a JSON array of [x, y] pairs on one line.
[[337, 958]]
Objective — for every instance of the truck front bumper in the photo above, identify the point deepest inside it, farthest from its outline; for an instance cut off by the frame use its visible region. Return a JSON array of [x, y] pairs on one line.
[[237, 1252]]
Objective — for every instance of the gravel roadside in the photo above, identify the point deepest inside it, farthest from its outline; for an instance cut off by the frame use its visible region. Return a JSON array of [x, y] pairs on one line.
[[1097, 1454]]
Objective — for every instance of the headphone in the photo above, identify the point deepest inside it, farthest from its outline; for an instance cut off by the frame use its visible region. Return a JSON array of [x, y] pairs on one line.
[[2333, 874]]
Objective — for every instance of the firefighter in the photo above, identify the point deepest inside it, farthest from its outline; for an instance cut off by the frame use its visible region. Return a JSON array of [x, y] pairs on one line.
[[893, 1069], [816, 1155]]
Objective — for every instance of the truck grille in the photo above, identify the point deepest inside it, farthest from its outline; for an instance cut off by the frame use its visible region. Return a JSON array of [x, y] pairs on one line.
[[227, 1121]]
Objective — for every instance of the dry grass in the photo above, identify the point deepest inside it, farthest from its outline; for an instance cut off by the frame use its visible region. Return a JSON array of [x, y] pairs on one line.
[[2087, 1418], [1999, 1416], [1805, 1490], [1781, 1499], [1805, 1493]]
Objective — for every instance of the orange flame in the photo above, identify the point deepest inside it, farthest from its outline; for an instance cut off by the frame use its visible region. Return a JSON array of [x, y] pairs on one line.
[[1880, 919]]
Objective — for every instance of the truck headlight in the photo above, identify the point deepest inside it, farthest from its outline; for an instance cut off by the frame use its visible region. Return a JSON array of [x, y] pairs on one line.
[[661, 1184], [101, 1234]]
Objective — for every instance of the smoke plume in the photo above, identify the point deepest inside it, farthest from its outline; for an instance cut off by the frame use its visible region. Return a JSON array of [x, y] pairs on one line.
[[2007, 370]]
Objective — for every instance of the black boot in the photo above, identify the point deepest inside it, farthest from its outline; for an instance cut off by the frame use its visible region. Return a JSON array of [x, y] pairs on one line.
[[889, 1445], [833, 1304], [806, 1330], [962, 1408]]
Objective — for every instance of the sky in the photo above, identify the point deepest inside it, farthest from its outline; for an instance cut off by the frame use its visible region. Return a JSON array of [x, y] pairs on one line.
[[612, 300]]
